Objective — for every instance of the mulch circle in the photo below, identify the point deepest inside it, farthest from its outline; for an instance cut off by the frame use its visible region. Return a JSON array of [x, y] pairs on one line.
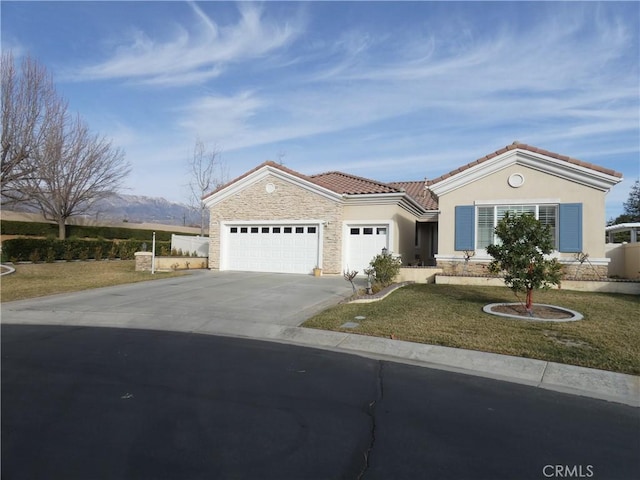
[[539, 311]]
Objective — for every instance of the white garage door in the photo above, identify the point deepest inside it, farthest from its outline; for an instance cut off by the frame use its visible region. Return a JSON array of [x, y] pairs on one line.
[[272, 248], [363, 243]]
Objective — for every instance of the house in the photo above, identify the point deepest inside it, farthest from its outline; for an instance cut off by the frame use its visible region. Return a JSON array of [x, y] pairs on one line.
[[274, 219]]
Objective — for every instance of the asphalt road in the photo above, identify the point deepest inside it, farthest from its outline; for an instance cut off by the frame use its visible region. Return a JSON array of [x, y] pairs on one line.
[[99, 403]]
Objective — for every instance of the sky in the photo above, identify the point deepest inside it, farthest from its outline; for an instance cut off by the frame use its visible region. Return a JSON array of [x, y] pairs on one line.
[[391, 91]]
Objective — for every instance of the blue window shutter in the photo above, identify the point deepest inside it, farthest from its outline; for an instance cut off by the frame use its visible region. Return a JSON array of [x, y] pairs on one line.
[[465, 227], [570, 227]]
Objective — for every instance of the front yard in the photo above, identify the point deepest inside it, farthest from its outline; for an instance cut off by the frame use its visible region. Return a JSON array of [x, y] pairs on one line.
[[608, 337], [37, 280]]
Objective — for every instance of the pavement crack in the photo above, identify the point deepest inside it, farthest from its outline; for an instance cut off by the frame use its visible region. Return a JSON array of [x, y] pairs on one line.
[[371, 412]]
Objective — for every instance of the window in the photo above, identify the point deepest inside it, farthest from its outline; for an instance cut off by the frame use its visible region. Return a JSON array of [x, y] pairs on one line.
[[275, 230], [265, 229], [288, 229], [234, 229], [254, 230], [243, 230], [311, 229], [355, 231], [299, 229], [489, 216], [381, 230], [367, 231]]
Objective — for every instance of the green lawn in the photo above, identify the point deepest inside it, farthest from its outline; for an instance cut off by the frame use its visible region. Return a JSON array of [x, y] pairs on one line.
[[607, 338], [37, 280]]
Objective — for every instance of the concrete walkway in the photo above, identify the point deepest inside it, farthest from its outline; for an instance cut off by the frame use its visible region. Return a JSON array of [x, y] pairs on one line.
[[270, 307]]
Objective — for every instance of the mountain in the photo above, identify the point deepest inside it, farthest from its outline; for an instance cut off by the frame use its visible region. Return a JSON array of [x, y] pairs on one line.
[[137, 209], [141, 209]]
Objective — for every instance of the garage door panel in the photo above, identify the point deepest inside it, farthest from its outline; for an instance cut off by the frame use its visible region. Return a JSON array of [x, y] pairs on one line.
[[275, 248], [363, 243]]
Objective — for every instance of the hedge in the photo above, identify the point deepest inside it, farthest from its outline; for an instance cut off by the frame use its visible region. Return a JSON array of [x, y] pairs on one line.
[[42, 229], [48, 250]]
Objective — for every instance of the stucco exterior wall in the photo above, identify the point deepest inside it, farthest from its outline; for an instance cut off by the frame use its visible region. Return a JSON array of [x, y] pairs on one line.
[[538, 186], [287, 202]]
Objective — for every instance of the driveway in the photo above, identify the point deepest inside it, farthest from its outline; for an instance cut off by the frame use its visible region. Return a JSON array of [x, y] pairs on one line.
[[201, 301]]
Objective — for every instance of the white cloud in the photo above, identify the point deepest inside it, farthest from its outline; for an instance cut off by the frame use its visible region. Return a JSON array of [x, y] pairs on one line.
[[192, 55]]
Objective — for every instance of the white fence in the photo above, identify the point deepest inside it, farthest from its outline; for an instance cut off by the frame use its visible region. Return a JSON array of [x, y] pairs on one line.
[[189, 244], [625, 260]]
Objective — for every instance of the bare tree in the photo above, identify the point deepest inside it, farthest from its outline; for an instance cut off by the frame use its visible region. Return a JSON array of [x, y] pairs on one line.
[[75, 168], [30, 107], [207, 172]]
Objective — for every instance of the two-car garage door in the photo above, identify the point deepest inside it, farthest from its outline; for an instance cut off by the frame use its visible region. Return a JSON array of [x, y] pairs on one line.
[[272, 248]]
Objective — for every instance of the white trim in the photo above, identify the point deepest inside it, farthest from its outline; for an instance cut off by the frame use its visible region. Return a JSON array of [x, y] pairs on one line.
[[224, 234], [560, 168], [262, 173], [401, 199], [592, 261], [518, 201], [311, 222], [485, 258]]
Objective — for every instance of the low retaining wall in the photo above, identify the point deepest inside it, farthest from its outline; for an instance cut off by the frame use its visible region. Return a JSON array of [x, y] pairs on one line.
[[417, 274], [630, 288], [166, 264]]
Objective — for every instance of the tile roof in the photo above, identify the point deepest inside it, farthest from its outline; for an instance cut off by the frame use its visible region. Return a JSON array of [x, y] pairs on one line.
[[344, 183], [417, 190], [524, 146]]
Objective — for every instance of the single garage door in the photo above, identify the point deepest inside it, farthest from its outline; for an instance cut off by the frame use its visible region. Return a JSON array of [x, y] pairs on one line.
[[272, 248], [363, 243]]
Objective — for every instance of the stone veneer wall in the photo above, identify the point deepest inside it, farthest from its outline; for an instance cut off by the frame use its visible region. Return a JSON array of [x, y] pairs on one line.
[[570, 271], [287, 202], [143, 261]]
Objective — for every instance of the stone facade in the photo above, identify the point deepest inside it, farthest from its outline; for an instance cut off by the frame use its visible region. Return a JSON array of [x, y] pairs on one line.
[[571, 271], [143, 261], [287, 202]]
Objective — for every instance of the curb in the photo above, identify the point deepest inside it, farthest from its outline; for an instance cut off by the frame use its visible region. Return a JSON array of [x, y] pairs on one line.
[[582, 381], [574, 380]]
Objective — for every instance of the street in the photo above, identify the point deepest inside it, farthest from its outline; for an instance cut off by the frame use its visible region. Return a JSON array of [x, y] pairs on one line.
[[103, 403]]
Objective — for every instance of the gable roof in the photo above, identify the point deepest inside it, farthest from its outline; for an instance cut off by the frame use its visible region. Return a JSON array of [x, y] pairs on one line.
[[523, 146], [268, 163], [421, 192]]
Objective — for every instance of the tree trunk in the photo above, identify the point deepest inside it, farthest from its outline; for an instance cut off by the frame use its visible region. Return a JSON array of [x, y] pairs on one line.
[[62, 229], [529, 303]]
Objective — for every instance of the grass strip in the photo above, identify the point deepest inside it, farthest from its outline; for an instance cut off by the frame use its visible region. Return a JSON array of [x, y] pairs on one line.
[[608, 338]]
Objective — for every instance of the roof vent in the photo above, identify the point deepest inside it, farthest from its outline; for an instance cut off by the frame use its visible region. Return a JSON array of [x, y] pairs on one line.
[[515, 142]]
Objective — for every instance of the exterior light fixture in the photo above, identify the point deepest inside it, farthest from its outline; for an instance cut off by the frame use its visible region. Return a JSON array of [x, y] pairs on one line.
[[384, 251]]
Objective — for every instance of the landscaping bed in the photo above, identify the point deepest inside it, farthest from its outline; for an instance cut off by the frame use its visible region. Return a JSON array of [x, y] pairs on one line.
[[451, 315]]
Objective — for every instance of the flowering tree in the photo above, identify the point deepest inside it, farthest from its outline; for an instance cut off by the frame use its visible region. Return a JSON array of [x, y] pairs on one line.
[[520, 255]]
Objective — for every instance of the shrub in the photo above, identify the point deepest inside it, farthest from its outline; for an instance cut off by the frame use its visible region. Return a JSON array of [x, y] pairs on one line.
[[386, 267], [34, 256], [68, 253], [22, 249]]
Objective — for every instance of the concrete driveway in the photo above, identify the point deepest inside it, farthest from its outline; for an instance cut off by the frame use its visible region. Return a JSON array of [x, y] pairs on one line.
[[205, 301]]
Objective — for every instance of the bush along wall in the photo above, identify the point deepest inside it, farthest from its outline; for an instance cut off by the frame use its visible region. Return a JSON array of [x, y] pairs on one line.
[[48, 250], [41, 229]]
